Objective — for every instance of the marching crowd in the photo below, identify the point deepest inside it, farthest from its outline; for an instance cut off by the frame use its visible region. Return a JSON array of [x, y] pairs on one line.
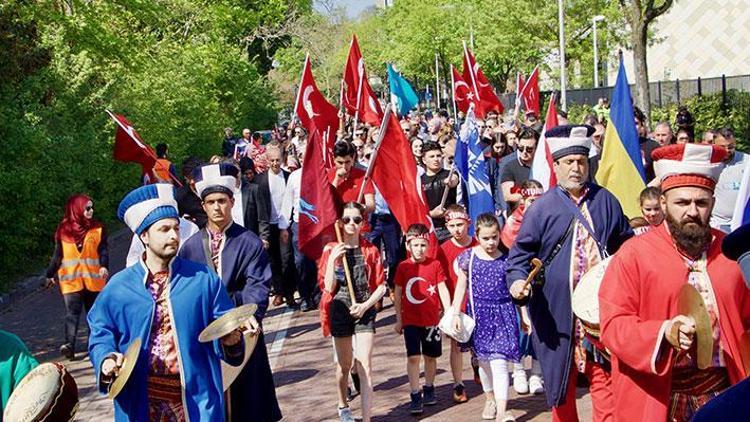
[[500, 286]]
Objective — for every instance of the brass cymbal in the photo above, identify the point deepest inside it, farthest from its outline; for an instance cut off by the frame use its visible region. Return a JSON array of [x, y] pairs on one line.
[[228, 372], [227, 323], [690, 303], [129, 360]]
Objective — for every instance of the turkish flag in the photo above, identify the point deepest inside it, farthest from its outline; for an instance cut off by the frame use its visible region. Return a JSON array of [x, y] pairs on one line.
[[129, 147], [359, 98], [317, 205], [397, 180], [530, 92], [463, 95], [314, 111], [486, 96], [542, 168]]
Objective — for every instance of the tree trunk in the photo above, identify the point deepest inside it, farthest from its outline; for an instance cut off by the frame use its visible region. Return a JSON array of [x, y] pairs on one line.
[[643, 94]]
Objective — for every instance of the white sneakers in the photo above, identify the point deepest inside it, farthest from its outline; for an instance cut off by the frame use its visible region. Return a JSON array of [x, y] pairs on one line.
[[535, 385], [520, 383], [490, 411]]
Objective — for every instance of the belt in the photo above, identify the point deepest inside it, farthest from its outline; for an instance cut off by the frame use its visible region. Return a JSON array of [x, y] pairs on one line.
[[693, 381]]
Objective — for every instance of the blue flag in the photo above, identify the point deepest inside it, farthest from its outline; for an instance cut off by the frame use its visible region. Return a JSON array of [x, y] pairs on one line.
[[402, 93], [471, 165]]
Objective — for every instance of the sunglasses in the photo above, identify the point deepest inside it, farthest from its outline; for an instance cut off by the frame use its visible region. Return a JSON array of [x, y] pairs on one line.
[[90, 208], [525, 149], [355, 220]]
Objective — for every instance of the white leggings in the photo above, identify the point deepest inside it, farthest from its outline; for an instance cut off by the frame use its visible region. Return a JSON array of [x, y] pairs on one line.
[[494, 376]]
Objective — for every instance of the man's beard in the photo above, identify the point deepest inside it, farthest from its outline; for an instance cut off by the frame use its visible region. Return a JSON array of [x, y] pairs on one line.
[[692, 237], [165, 254], [569, 185]]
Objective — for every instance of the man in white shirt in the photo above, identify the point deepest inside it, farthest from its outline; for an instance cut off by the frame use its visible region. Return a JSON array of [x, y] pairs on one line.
[[289, 233], [271, 188], [728, 186]]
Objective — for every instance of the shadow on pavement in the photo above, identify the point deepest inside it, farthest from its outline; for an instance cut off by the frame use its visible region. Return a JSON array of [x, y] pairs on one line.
[[293, 376]]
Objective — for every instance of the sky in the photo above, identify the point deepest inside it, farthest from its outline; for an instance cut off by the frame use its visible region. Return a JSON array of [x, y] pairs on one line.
[[353, 7]]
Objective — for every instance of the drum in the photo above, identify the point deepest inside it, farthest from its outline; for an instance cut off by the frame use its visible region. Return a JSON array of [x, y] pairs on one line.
[[585, 299], [47, 393]]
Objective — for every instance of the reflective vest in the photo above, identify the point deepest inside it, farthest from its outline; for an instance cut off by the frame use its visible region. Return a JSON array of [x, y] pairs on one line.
[[161, 170], [81, 269]]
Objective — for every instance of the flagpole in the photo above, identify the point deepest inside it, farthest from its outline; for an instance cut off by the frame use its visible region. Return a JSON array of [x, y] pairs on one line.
[[378, 142], [299, 90], [437, 84], [453, 95], [359, 95], [471, 72]]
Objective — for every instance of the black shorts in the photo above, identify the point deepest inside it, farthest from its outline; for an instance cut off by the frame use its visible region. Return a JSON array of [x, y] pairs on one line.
[[423, 341], [344, 325]]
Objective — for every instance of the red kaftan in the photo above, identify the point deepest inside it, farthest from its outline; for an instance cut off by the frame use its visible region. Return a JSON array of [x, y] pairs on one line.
[[637, 296]]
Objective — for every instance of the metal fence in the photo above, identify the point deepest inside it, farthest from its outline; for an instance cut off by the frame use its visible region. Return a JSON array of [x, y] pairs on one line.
[[662, 92]]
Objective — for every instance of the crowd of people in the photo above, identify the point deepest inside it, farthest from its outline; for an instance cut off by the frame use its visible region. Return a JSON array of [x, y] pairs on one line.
[[228, 236]]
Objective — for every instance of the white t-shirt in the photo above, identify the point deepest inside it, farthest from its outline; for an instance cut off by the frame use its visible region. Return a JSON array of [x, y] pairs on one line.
[[277, 185], [291, 200], [727, 189]]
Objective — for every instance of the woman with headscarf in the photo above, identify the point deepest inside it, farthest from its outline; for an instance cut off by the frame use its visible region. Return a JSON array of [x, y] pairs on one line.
[[79, 264]]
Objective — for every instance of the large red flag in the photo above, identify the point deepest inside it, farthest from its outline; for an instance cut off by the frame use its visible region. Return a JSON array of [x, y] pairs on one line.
[[530, 92], [463, 95], [359, 98], [317, 206], [314, 111], [542, 168], [474, 76], [129, 147], [397, 180]]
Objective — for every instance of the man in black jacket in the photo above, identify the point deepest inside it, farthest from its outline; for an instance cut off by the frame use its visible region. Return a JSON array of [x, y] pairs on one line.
[[188, 203], [249, 195], [271, 186]]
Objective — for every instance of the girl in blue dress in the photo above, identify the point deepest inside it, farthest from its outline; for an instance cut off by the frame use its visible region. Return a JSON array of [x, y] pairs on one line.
[[495, 337]]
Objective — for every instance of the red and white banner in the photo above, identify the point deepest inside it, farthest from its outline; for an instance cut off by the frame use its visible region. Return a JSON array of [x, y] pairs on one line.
[[463, 95]]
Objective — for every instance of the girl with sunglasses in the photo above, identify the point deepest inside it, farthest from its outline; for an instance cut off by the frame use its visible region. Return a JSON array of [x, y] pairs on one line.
[[344, 320], [79, 264]]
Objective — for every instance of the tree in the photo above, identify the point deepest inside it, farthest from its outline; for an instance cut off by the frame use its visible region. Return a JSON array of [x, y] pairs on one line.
[[639, 14]]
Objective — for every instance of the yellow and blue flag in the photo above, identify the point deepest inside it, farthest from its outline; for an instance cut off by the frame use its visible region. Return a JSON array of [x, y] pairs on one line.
[[621, 165]]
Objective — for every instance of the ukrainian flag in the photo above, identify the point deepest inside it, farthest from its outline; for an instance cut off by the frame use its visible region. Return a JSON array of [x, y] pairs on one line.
[[621, 165]]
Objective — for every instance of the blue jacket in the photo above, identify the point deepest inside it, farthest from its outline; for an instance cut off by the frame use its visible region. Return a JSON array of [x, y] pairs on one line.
[[544, 224], [124, 311]]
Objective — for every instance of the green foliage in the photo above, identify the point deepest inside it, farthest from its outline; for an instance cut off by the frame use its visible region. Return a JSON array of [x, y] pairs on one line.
[[178, 69]]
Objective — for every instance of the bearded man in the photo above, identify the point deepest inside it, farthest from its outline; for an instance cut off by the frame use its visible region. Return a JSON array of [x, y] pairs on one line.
[[570, 228], [654, 374]]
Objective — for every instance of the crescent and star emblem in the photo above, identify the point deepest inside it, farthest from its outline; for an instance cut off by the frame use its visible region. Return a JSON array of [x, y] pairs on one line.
[[410, 297], [306, 102], [458, 84]]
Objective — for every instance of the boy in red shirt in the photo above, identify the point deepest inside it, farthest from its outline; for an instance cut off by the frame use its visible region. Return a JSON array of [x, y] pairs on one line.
[[457, 222], [420, 291]]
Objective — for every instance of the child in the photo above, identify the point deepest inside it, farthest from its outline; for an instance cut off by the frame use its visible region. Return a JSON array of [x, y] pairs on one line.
[[419, 281], [457, 222], [650, 206], [530, 191], [495, 336], [351, 323]]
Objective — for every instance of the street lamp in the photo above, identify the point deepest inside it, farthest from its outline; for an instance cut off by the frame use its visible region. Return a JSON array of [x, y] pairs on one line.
[[597, 18], [561, 19]]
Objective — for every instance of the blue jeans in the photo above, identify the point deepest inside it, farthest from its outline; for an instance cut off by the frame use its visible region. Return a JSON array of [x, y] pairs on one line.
[[385, 231], [307, 272]]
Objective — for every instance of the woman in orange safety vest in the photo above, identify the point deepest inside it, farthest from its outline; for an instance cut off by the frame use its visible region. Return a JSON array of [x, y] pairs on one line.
[[79, 264]]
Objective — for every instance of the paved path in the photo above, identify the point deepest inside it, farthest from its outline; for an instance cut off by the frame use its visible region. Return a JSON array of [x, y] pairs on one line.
[[300, 357]]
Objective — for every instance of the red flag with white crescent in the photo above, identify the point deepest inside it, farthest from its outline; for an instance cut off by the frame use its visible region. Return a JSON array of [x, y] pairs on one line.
[[530, 92], [463, 95], [314, 111], [359, 98], [129, 147], [473, 75]]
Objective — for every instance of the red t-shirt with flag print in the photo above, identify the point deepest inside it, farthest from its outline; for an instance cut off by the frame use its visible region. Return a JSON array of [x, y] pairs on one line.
[[420, 300], [449, 251]]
